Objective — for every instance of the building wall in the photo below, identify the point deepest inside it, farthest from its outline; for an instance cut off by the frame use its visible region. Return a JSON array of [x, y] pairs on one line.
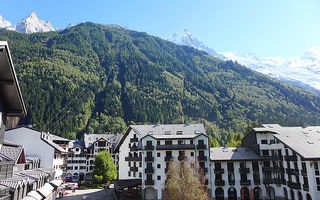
[[124, 152], [33, 145]]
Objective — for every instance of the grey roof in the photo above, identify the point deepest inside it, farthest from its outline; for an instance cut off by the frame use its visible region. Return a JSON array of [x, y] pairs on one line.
[[11, 151], [304, 141], [169, 130], [10, 89], [232, 153], [58, 138], [165, 131], [91, 138], [75, 143]]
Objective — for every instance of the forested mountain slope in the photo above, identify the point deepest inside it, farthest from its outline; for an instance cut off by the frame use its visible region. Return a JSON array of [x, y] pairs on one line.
[[100, 78]]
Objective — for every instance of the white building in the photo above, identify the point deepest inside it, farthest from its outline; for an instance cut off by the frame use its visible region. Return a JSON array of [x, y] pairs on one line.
[[82, 154], [146, 150], [41, 144], [274, 163]]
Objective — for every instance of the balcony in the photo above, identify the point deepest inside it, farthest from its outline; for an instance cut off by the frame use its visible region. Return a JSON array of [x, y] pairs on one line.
[[176, 147], [218, 171], [231, 182], [256, 181], [149, 170], [292, 171], [244, 170], [305, 187], [219, 182], [168, 158], [133, 159], [149, 147], [292, 185], [271, 146], [149, 182], [149, 159], [245, 182], [133, 148], [304, 173], [202, 158], [268, 181], [278, 181], [201, 146], [134, 169], [133, 139], [291, 158], [271, 169]]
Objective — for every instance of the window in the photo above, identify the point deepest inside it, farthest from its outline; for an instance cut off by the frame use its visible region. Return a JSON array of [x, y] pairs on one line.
[[191, 141], [180, 142], [158, 154], [158, 177], [140, 174], [158, 142], [129, 164], [149, 143], [191, 154], [168, 142], [140, 164], [264, 141], [129, 174], [158, 166], [217, 165], [243, 165], [255, 166], [230, 166], [168, 154]]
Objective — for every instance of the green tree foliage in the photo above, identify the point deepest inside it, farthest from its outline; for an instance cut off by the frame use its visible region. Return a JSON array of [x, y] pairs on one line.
[[104, 168], [99, 78], [185, 181], [213, 142]]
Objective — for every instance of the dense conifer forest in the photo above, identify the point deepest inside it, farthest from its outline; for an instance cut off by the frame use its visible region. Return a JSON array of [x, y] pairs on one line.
[[100, 78]]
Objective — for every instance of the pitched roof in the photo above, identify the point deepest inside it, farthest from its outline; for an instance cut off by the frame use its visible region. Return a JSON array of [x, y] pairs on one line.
[[58, 138], [75, 143], [232, 154], [305, 141], [165, 131], [91, 138], [11, 151], [54, 145]]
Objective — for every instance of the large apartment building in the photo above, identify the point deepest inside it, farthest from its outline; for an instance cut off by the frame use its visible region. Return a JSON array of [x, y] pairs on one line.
[[146, 150], [82, 154], [274, 162]]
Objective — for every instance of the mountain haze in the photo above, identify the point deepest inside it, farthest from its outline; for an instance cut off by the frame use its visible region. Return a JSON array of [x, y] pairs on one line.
[[100, 78]]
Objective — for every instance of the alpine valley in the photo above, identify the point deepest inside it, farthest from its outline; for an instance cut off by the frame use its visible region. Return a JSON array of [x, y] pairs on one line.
[[101, 78]]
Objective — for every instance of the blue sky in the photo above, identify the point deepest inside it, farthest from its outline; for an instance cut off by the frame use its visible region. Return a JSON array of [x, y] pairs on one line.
[[264, 27]]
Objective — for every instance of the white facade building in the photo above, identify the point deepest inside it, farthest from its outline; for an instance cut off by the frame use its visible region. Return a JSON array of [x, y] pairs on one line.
[[82, 154], [41, 144], [274, 162], [146, 150]]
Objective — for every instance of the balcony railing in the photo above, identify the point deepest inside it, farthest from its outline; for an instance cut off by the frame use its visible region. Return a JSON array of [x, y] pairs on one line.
[[231, 182], [149, 170], [133, 148], [272, 169], [149, 182], [167, 158], [219, 171], [201, 146], [133, 159], [149, 147], [278, 181], [134, 169], [219, 182], [292, 171], [149, 159], [244, 170], [305, 187], [268, 181], [176, 147], [245, 182], [291, 158], [292, 185], [304, 173], [202, 158], [133, 139]]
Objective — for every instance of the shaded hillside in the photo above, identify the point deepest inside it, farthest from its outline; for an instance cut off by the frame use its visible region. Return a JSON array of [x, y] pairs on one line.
[[97, 78]]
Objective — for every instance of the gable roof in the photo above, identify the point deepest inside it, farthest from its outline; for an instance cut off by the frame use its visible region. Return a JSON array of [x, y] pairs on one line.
[[9, 85], [91, 138], [305, 141], [11, 151]]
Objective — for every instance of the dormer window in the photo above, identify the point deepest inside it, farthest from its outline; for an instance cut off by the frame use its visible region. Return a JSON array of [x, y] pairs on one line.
[[179, 132], [197, 132], [167, 132]]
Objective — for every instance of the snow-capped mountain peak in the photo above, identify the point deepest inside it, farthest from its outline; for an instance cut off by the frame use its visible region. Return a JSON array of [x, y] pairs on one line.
[[186, 38], [4, 23], [32, 24]]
